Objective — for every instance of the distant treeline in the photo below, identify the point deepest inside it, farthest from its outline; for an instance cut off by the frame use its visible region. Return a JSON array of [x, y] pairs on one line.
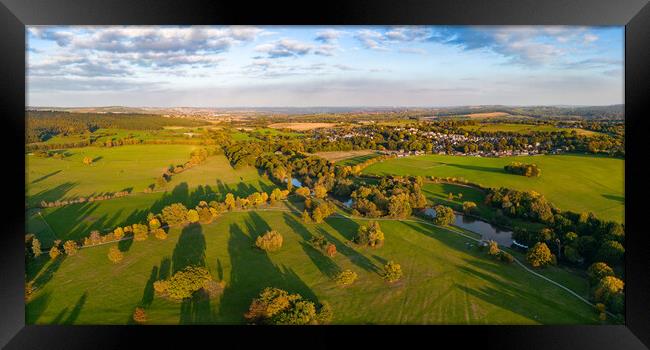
[[590, 112], [42, 125]]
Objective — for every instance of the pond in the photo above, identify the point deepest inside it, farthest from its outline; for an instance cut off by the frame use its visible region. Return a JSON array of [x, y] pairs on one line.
[[294, 182], [485, 229]]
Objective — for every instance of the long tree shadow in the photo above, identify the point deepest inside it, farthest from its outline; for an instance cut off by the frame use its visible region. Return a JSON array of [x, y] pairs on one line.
[[347, 228], [251, 271], [74, 314], [45, 176], [190, 251], [51, 194], [148, 293], [516, 298], [35, 307], [190, 248], [46, 275], [324, 264]]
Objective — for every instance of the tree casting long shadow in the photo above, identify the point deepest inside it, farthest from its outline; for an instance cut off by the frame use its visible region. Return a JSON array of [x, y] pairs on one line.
[[251, 271]]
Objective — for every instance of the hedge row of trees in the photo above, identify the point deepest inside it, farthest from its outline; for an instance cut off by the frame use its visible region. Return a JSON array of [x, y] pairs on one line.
[[529, 170], [62, 202]]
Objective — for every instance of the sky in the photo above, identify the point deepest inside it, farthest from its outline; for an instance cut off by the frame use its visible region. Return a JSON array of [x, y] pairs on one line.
[[301, 66]]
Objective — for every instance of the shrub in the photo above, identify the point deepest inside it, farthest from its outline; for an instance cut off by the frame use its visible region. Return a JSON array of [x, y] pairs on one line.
[[118, 233], [115, 255], [318, 241], [192, 216], [70, 247], [325, 314], [205, 215], [444, 215], [330, 250], [36, 247], [303, 192], [539, 255], [271, 241], [175, 214], [160, 234], [598, 271], [154, 224], [469, 207], [608, 287], [392, 272], [187, 281], [213, 288], [276, 306], [161, 286], [493, 248], [346, 278], [54, 253], [506, 257], [370, 235], [139, 315], [140, 232]]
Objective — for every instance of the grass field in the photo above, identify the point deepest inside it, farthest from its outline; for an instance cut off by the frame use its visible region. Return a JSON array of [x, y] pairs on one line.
[[113, 169], [211, 180], [301, 126], [445, 281], [348, 157], [572, 182], [524, 128]]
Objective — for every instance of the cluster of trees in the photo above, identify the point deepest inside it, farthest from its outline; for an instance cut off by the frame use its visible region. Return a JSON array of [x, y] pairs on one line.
[[443, 215], [277, 307], [529, 170], [62, 202], [606, 287], [528, 205], [319, 242], [392, 196], [370, 235], [184, 283], [356, 169], [346, 277], [495, 252], [392, 272], [42, 125], [34, 249], [579, 239], [316, 211], [197, 157], [271, 241], [60, 154]]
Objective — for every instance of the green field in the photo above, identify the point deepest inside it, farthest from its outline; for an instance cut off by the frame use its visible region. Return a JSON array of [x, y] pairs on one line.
[[211, 180], [445, 280], [113, 169], [571, 182], [523, 128]]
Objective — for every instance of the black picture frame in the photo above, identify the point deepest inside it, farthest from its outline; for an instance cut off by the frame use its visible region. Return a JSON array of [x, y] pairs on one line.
[[16, 14]]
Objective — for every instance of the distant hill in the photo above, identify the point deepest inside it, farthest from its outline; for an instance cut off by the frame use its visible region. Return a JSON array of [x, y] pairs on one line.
[[589, 112]]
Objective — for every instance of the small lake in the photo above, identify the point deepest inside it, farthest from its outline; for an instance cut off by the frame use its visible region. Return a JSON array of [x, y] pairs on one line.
[[485, 229], [294, 182]]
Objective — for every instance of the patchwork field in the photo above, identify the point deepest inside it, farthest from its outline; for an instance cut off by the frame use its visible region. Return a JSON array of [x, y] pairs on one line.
[[348, 157], [445, 280], [113, 169], [301, 126], [572, 182], [524, 128]]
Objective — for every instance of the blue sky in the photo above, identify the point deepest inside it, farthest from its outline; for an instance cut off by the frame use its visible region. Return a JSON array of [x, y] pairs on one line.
[[217, 66]]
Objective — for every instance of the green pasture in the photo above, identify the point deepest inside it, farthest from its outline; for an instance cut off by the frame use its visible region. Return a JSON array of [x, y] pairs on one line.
[[445, 281], [578, 183], [113, 169]]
